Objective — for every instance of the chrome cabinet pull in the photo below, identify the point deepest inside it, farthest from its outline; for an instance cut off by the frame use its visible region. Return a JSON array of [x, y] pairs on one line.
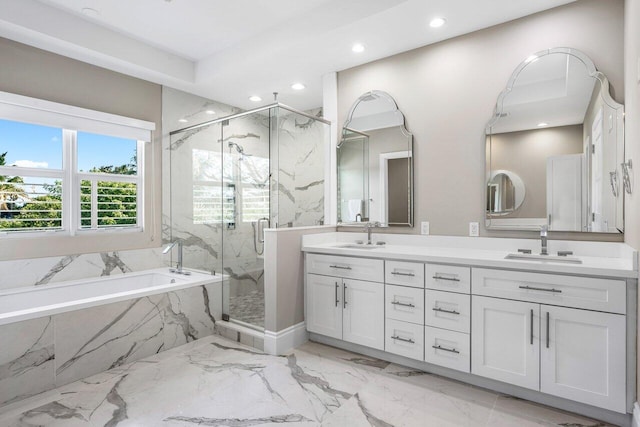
[[402, 304], [547, 329], [344, 296], [531, 333], [450, 350], [337, 301], [451, 279], [445, 311], [397, 273], [340, 267], [531, 288], [409, 340]]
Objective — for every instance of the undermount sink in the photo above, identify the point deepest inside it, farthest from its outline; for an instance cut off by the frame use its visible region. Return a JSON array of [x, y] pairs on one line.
[[552, 258], [357, 246]]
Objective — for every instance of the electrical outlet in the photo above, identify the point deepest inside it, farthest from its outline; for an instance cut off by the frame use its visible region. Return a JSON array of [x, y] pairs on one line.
[[474, 229], [424, 228]]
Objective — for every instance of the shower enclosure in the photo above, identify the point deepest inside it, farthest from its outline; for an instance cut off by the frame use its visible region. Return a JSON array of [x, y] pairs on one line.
[[235, 176]]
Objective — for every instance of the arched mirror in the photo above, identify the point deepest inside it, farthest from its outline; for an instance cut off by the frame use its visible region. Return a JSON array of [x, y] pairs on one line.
[[557, 128], [375, 164]]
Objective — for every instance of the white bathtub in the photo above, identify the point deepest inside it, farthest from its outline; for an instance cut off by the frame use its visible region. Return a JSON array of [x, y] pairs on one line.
[[38, 301]]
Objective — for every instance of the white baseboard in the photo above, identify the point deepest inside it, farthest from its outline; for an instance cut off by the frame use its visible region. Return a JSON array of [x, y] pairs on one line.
[[636, 415], [277, 343]]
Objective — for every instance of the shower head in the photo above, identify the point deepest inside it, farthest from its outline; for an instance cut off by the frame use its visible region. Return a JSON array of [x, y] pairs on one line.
[[238, 148]]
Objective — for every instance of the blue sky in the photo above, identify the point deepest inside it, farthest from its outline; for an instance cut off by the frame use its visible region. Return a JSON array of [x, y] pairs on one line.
[[37, 146]]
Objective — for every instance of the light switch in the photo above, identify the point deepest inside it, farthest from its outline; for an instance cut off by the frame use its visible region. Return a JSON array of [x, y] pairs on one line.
[[424, 228]]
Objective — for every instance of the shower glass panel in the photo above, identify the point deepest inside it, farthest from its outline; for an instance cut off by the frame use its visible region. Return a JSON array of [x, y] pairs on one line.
[[197, 214], [236, 176]]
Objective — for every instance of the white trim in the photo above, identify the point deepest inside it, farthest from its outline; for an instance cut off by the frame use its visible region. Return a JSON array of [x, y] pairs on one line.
[[277, 343], [635, 422], [33, 110]]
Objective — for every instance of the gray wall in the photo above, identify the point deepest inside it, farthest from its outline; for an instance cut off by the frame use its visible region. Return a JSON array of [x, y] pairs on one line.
[[39, 74], [448, 90]]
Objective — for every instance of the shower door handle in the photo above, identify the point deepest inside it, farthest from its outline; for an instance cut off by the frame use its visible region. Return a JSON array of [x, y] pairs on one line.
[[261, 229]]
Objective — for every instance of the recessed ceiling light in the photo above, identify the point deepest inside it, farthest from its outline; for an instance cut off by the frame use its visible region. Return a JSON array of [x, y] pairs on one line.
[[437, 22], [210, 112], [297, 86], [183, 120], [255, 98], [358, 47], [91, 13], [542, 124]]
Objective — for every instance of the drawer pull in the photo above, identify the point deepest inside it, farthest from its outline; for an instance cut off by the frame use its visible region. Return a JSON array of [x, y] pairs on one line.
[[402, 304], [409, 340], [340, 267], [451, 279], [445, 311], [397, 273], [450, 350], [531, 288]]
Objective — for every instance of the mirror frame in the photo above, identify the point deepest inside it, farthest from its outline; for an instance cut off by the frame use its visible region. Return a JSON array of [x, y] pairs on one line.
[[498, 110], [410, 151]]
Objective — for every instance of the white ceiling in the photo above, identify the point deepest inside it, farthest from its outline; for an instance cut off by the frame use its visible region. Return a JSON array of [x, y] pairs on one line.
[[229, 50]]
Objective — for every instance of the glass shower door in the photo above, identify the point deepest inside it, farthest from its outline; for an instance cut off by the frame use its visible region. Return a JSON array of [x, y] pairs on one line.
[[246, 175]]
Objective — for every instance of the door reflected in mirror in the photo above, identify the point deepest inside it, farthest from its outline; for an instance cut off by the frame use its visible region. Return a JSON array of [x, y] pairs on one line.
[[558, 130], [375, 164]]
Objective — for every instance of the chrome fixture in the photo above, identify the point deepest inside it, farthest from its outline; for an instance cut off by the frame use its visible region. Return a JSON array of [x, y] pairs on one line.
[[238, 148], [368, 227], [543, 239], [178, 269], [258, 233]]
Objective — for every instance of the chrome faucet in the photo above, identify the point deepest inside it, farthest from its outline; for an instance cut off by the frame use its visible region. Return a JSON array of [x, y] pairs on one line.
[[178, 269], [543, 238], [368, 227]]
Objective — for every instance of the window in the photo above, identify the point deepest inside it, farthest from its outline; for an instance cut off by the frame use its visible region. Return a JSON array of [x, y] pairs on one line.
[[254, 174], [68, 170]]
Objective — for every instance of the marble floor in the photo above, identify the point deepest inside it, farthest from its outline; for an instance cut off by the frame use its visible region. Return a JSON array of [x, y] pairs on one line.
[[248, 308], [218, 382]]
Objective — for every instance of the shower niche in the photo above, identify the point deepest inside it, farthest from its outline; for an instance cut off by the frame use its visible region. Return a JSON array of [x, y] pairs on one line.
[[235, 176]]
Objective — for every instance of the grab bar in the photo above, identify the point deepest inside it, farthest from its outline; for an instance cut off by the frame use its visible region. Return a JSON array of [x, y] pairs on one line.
[[261, 230]]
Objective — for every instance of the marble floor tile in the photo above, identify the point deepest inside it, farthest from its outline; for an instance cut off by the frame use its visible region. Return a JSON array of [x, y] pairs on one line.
[[217, 382]]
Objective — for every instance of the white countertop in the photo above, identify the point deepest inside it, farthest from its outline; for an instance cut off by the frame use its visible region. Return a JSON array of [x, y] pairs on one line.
[[620, 262]]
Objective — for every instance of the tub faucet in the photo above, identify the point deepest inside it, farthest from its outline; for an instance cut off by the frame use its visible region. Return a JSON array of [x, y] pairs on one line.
[[178, 269], [543, 239], [368, 227]]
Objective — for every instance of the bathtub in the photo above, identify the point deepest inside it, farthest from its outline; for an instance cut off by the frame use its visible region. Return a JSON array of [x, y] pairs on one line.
[[45, 300], [55, 334]]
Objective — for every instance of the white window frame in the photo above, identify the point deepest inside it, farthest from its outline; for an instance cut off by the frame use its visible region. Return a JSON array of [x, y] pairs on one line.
[[73, 119]]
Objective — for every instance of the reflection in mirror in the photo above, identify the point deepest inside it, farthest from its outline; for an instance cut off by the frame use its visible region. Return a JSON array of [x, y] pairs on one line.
[[375, 164], [558, 130], [505, 193]]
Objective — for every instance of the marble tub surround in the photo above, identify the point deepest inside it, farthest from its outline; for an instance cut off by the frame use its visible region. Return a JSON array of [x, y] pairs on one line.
[[598, 258], [52, 351], [217, 382]]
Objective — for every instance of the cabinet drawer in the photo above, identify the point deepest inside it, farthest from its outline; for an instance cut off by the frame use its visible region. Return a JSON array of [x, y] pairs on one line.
[[404, 273], [353, 268], [448, 310], [447, 348], [448, 278], [404, 339], [579, 292], [404, 304]]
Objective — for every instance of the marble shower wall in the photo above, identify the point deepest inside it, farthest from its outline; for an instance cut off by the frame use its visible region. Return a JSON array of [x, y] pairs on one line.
[[52, 351], [300, 185]]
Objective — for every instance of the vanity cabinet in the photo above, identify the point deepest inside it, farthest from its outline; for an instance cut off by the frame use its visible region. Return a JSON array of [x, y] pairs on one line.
[[341, 306], [565, 351]]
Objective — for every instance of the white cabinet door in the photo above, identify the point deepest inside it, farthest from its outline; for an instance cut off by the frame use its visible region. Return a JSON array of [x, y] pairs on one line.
[[324, 305], [363, 313], [583, 356], [505, 343]]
